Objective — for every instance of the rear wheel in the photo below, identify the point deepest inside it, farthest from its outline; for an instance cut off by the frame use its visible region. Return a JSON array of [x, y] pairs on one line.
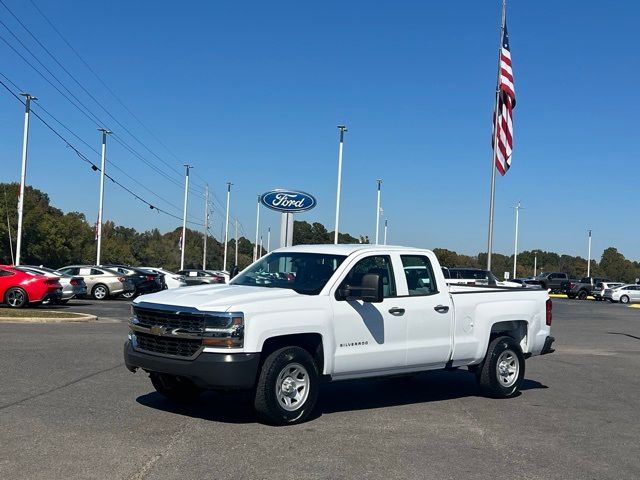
[[16, 297], [503, 368], [129, 295], [582, 295], [100, 292], [178, 389], [624, 299], [287, 388]]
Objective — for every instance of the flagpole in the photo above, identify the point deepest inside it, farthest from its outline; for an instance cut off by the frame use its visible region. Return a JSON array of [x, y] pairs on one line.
[[495, 143]]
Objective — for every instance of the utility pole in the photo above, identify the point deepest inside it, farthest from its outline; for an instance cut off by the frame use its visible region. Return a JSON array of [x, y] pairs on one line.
[[206, 226], [255, 247], [342, 129], [378, 212], [535, 264], [23, 172], [236, 259], [589, 260], [386, 224], [103, 166], [226, 228], [515, 248], [268, 239], [184, 217]]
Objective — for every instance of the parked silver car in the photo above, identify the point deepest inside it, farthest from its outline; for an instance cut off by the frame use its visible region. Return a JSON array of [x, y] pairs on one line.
[[624, 294], [101, 282], [200, 277], [71, 286]]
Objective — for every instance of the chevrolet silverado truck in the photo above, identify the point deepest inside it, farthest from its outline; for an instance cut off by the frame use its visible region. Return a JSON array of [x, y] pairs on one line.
[[311, 313]]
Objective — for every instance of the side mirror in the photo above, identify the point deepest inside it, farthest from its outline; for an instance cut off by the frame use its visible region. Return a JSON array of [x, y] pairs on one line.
[[371, 290]]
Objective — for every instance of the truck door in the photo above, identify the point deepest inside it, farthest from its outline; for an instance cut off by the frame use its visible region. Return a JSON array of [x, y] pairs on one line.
[[429, 314], [369, 336]]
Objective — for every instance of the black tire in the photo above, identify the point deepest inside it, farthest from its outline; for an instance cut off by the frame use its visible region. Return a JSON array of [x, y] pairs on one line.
[[174, 388], [63, 301], [582, 295], [16, 297], [100, 292], [129, 295], [624, 299], [268, 402], [492, 384]]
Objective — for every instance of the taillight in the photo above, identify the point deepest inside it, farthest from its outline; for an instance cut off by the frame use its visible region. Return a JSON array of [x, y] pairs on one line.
[[51, 281], [549, 315], [122, 279], [74, 282], [571, 285], [149, 278]]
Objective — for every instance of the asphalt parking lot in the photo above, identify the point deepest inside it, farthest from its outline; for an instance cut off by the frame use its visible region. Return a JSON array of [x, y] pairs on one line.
[[70, 409]]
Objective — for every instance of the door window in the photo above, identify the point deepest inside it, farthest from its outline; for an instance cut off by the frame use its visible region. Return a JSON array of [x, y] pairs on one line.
[[419, 275], [380, 264]]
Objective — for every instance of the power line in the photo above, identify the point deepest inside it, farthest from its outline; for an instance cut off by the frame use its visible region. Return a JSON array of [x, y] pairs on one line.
[[93, 165]]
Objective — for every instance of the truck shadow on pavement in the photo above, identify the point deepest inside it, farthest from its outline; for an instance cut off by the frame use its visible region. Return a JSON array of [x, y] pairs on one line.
[[351, 395]]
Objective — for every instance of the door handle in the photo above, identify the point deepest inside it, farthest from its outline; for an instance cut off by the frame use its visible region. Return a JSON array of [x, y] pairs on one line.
[[398, 312], [441, 308]]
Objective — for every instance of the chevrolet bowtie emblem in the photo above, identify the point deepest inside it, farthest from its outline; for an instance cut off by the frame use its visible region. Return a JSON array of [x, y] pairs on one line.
[[158, 330]]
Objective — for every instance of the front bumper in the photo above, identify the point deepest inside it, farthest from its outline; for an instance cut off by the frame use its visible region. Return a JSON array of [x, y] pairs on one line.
[[207, 370], [547, 345]]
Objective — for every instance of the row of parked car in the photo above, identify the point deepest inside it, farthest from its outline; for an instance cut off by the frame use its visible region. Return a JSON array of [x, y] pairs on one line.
[[35, 285], [598, 288]]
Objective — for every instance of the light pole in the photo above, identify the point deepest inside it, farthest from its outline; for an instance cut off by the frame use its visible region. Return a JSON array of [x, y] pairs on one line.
[[342, 129], [515, 247], [236, 254], [184, 217], [386, 225], [268, 239], [589, 260], [206, 226], [23, 172], [226, 228], [260, 247], [535, 264], [378, 212], [255, 247], [103, 166]]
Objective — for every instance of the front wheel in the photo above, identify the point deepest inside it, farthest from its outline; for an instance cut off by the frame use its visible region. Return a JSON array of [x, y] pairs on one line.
[[177, 389], [129, 295], [287, 388], [16, 297], [624, 299], [502, 371]]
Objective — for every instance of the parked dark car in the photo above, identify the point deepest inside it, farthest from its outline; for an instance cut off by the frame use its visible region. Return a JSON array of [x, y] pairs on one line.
[[144, 281], [200, 277], [527, 282], [552, 280]]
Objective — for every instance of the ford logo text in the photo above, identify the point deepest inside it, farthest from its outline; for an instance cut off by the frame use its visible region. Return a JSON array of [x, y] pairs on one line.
[[288, 201]]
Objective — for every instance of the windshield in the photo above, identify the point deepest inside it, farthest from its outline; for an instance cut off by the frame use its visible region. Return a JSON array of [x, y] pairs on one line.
[[306, 273]]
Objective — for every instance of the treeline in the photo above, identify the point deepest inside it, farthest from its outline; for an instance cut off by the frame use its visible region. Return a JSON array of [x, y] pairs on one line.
[[54, 238]]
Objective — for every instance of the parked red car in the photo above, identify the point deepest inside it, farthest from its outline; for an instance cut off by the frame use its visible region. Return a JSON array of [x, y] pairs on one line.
[[19, 289]]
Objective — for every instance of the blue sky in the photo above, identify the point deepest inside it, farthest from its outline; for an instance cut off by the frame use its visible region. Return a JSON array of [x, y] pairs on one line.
[[251, 92]]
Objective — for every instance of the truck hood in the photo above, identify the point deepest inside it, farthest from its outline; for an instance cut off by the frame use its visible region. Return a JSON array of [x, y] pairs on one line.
[[217, 298]]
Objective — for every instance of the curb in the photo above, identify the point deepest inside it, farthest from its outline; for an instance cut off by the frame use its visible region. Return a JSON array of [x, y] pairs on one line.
[[79, 317], [635, 305]]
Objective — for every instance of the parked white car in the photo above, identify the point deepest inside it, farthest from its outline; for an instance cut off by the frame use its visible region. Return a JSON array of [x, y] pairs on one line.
[[171, 280], [600, 289], [308, 313], [624, 294]]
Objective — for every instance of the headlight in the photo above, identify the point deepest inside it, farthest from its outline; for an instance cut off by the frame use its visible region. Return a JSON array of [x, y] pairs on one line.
[[223, 331]]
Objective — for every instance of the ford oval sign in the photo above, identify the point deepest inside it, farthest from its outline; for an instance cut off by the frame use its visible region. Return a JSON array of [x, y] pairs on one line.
[[288, 201]]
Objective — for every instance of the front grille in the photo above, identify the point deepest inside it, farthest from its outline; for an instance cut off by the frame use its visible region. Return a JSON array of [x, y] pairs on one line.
[[181, 347], [193, 322]]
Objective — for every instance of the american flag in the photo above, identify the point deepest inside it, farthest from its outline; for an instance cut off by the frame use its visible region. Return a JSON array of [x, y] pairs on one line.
[[506, 102]]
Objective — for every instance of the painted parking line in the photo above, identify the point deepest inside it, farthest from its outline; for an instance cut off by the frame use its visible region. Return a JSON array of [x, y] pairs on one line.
[[635, 305], [561, 295]]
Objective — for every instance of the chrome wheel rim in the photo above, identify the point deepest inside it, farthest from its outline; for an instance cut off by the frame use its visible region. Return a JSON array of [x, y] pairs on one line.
[[100, 293], [624, 299], [128, 294], [507, 368], [15, 298], [292, 387]]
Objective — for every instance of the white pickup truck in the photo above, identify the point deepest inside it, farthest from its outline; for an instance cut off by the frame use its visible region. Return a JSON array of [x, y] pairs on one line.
[[309, 313]]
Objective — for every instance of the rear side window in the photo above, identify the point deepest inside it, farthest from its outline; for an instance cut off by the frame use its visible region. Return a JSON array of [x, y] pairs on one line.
[[5, 273], [95, 271], [419, 275]]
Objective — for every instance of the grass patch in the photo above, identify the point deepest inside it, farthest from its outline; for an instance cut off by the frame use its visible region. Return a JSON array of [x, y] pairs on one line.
[[34, 313]]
